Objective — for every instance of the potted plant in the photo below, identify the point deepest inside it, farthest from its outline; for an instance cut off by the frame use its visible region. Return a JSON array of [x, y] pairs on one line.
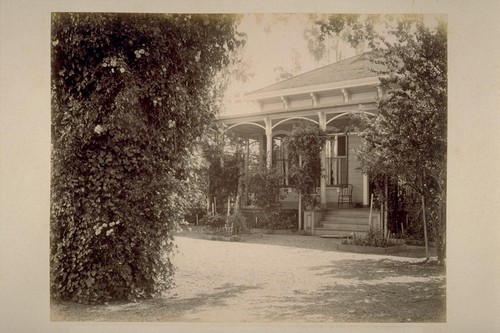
[[311, 201]]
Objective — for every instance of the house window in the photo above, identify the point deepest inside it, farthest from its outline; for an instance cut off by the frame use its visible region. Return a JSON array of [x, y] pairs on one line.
[[336, 161]]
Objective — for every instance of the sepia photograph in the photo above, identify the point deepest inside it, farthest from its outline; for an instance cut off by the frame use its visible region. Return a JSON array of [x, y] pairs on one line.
[[248, 167], [234, 168]]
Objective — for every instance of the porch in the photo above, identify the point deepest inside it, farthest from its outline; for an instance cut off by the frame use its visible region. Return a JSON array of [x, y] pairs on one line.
[[327, 98]]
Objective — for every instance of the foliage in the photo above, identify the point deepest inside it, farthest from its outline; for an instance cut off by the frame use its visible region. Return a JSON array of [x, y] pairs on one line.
[[130, 94], [215, 221], [283, 74], [264, 186], [195, 187], [305, 143], [374, 237], [284, 221], [315, 45], [407, 139], [239, 223], [224, 156]]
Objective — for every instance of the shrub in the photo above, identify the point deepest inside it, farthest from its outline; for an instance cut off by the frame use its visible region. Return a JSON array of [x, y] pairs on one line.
[[239, 223], [215, 221], [283, 221], [264, 185], [373, 237]]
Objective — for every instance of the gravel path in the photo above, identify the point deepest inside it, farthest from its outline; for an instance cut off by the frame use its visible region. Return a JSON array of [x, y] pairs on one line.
[[263, 282], [245, 282]]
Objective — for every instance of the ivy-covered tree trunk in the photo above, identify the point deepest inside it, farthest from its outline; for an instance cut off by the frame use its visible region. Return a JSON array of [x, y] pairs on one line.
[[130, 95]]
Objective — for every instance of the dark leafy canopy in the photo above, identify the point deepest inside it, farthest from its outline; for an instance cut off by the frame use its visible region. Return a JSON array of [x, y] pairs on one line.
[[130, 93]]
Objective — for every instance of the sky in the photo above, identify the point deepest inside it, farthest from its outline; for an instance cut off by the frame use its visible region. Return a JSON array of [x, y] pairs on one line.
[[272, 39]]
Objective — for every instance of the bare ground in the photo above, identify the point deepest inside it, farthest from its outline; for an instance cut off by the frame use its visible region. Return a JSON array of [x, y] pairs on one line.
[[283, 278]]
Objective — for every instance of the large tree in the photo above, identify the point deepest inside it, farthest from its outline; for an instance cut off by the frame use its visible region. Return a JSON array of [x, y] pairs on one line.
[[406, 140], [130, 94]]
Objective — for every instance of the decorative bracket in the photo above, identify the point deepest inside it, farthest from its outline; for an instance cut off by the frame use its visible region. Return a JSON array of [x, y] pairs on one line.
[[286, 102], [315, 99], [347, 95], [380, 91]]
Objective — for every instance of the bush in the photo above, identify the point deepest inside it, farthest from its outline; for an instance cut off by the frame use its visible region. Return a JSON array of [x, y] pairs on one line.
[[264, 185], [373, 237], [239, 223], [215, 221], [282, 221]]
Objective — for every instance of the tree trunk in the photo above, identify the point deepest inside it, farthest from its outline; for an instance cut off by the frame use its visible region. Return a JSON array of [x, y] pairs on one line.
[[386, 207], [441, 233], [426, 240]]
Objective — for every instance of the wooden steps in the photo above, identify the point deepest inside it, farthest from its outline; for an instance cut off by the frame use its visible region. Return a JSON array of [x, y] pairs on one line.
[[341, 223]]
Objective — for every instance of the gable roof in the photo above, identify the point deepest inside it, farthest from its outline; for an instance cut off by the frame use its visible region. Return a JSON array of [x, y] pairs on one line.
[[357, 67]]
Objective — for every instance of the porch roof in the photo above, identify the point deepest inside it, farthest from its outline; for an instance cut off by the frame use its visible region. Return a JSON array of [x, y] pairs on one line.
[[351, 69]]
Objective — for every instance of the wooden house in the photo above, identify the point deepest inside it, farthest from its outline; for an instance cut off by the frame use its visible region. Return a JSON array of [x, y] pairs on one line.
[[325, 97]]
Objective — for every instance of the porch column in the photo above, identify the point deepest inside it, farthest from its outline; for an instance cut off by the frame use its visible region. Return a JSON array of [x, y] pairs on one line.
[[261, 149], [366, 190], [322, 126], [269, 142], [247, 167]]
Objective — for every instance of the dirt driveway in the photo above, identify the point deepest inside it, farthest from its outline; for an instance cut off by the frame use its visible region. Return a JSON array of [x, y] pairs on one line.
[[247, 282]]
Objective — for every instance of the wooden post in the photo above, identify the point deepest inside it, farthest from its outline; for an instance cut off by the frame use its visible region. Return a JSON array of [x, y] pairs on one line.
[[300, 211], [322, 126], [300, 200], [366, 190]]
